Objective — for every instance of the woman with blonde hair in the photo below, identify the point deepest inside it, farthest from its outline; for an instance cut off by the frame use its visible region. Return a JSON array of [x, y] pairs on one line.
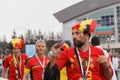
[[36, 65]]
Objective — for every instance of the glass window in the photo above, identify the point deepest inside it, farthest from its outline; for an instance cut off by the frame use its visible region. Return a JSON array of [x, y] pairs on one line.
[[107, 20], [98, 21], [118, 7]]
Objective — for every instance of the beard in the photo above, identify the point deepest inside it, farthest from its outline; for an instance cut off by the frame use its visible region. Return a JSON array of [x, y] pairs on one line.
[[79, 43]]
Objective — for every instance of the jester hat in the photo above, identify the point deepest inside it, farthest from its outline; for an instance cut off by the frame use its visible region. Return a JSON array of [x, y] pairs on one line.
[[17, 43], [85, 26]]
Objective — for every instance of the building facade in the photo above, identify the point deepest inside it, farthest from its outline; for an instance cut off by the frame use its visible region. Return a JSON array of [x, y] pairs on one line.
[[105, 12]]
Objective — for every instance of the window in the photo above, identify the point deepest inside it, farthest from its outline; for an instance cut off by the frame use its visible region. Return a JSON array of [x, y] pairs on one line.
[[107, 20]]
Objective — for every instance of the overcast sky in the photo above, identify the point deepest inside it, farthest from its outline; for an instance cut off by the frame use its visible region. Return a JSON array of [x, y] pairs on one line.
[[22, 15]]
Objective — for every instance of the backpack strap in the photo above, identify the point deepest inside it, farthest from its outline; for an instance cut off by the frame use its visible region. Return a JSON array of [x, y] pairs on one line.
[[77, 57]]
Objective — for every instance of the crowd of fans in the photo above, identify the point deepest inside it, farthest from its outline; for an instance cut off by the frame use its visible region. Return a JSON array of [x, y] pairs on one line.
[[79, 62]]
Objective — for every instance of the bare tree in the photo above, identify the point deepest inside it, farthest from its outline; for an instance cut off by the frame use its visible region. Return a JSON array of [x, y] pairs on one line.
[[14, 34]]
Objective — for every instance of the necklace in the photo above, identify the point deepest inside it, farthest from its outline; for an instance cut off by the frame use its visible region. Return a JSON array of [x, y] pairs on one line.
[[17, 64], [42, 65], [84, 74]]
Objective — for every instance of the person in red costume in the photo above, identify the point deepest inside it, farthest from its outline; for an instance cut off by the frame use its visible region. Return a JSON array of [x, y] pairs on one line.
[[36, 65], [83, 61], [14, 63]]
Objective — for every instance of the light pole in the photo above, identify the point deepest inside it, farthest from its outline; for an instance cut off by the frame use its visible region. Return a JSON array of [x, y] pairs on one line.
[[108, 42]]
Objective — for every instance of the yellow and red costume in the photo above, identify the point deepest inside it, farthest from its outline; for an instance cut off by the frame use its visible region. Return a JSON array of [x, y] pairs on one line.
[[73, 67], [9, 62], [34, 68], [15, 66]]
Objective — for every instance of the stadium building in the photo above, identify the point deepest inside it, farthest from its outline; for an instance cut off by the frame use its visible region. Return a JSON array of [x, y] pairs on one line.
[[105, 12]]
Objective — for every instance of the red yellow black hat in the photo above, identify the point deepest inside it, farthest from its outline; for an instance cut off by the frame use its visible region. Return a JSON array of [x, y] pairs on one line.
[[85, 26], [65, 46]]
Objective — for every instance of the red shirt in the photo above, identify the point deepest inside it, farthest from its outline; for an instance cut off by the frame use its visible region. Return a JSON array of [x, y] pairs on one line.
[[68, 58], [35, 68], [9, 63]]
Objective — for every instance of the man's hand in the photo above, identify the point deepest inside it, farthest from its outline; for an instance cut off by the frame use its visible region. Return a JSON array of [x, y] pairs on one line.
[[102, 59], [105, 66]]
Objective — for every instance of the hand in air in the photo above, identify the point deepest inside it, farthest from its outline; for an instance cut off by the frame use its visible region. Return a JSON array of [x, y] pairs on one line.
[[102, 59], [56, 49]]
